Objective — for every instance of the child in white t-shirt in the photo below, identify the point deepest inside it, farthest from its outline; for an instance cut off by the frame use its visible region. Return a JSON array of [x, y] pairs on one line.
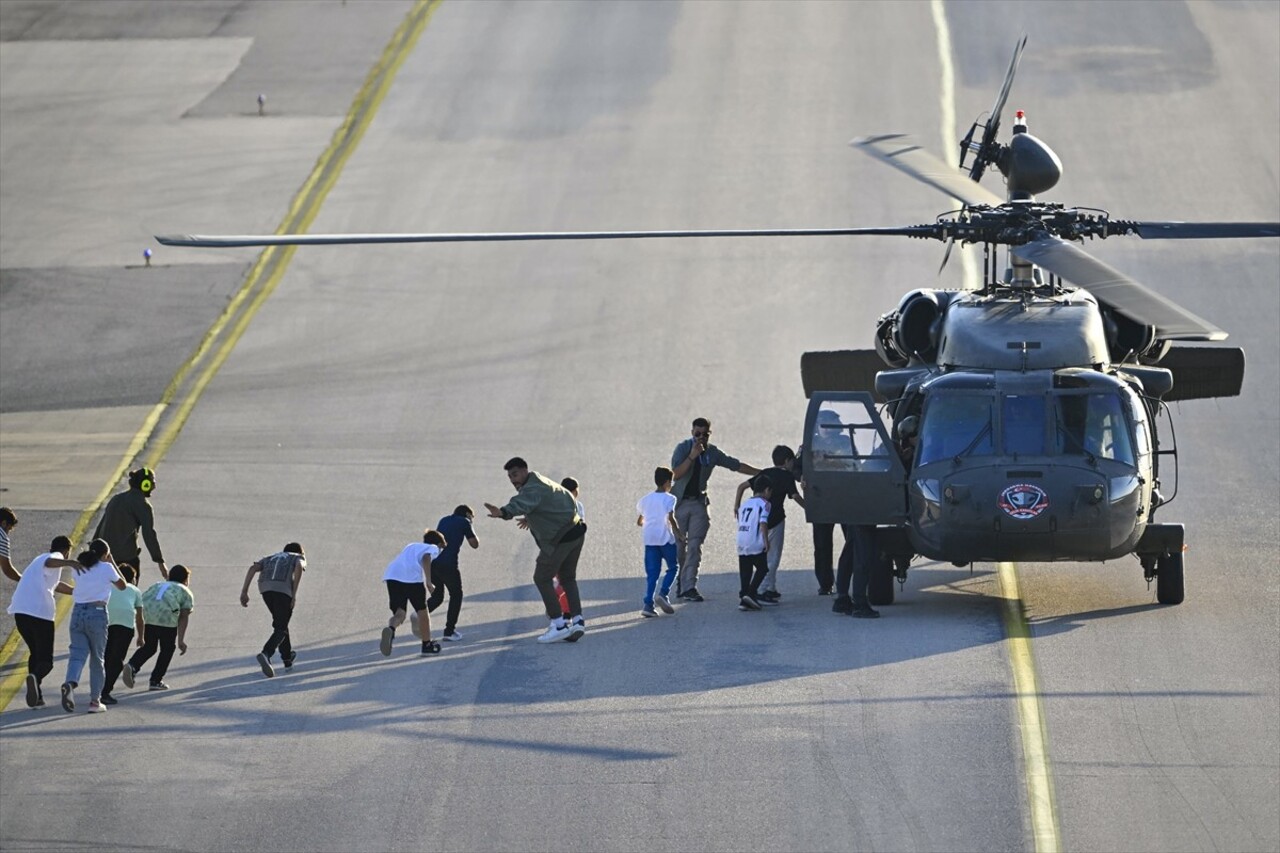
[[658, 520], [753, 542], [408, 580]]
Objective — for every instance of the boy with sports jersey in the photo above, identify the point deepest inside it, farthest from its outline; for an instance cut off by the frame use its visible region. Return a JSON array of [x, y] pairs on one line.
[[658, 520], [408, 584], [166, 610], [753, 543]]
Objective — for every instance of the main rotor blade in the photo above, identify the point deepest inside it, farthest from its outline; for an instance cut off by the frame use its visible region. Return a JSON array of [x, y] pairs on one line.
[[1112, 287], [1199, 230], [235, 240], [899, 152]]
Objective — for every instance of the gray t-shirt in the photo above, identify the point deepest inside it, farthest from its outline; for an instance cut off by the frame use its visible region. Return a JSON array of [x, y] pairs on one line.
[[276, 574]]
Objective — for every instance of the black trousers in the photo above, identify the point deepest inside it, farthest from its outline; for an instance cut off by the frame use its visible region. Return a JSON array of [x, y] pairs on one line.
[[823, 550], [446, 577], [856, 558], [37, 633], [281, 606], [163, 637], [752, 569], [119, 638]]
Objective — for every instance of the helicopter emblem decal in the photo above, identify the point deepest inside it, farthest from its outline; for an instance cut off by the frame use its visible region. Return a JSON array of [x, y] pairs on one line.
[[1024, 501]]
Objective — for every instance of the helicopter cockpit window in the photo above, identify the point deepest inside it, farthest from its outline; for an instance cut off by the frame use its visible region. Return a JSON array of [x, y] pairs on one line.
[[956, 425], [1093, 425], [845, 439], [1022, 422]]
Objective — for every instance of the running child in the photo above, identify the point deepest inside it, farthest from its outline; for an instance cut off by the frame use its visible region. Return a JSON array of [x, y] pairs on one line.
[[660, 531]]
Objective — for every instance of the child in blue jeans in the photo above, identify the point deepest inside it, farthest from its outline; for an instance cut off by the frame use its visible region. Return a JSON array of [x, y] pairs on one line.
[[658, 520]]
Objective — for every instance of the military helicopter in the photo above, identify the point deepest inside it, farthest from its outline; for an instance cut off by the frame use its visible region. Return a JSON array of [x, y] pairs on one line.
[[1023, 414]]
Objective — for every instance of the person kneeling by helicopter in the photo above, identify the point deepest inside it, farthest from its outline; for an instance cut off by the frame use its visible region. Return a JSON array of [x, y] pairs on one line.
[[853, 572]]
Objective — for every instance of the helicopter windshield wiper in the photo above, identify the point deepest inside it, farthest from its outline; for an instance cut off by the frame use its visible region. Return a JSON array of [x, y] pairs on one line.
[[982, 433], [1062, 430]]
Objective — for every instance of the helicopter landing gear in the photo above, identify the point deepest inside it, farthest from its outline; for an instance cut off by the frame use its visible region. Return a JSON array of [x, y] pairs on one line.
[[1169, 586], [880, 586]]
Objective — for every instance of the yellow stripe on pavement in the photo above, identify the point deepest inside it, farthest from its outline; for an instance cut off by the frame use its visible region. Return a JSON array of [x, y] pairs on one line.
[[258, 285], [1035, 738]]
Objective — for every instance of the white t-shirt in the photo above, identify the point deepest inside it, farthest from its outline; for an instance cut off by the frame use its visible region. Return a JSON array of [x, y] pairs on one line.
[[654, 508], [407, 568], [753, 512], [33, 596], [95, 584]]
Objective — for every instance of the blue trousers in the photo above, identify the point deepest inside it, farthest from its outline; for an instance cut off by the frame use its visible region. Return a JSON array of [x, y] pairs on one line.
[[653, 557], [88, 641]]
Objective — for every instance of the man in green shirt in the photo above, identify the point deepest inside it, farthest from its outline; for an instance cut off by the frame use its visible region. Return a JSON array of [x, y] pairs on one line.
[[558, 531]]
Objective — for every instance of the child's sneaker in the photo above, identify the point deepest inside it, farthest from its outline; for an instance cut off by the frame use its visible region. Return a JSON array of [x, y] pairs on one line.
[[664, 604], [127, 674], [452, 636], [648, 612], [265, 663], [576, 629], [430, 647], [159, 685], [33, 691], [553, 633], [68, 697], [288, 662], [749, 603], [96, 707], [388, 634]]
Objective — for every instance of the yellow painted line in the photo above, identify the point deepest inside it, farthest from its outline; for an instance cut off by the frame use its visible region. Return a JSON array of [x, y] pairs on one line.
[[1035, 737], [258, 286]]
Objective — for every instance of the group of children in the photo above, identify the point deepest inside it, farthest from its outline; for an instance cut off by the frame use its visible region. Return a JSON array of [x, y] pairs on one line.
[[108, 613], [761, 526]]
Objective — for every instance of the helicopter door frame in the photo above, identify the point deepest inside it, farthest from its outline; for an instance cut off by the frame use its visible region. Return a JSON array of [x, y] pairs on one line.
[[851, 470], [1162, 408]]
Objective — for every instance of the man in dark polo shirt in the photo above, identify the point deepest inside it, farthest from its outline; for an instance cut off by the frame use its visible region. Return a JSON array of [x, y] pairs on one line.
[[444, 569], [691, 462]]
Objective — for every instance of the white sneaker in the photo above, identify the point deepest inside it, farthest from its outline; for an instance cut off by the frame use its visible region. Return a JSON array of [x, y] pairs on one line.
[[96, 707], [555, 632], [454, 637]]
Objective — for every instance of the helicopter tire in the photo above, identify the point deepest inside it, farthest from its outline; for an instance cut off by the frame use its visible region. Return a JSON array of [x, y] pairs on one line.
[[1169, 583], [880, 586]]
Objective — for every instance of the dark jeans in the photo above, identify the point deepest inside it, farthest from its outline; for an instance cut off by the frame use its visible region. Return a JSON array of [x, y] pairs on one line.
[[37, 633], [823, 550], [752, 569], [446, 577], [156, 635], [119, 638], [856, 558], [561, 561], [281, 606]]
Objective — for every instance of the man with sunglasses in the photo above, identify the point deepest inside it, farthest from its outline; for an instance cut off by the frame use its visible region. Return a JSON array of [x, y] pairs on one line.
[[692, 462]]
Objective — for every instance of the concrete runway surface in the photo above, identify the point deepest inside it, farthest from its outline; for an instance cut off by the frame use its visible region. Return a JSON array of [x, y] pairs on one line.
[[378, 387]]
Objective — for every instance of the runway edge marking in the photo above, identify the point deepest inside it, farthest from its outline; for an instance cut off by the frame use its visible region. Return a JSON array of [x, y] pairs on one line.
[[260, 282]]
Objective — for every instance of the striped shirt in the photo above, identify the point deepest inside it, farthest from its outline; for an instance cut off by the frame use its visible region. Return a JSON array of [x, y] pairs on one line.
[[4, 543]]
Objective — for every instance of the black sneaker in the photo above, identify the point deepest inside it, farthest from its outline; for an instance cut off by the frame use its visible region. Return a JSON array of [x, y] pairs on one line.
[[770, 595], [33, 691], [127, 674], [576, 629], [825, 590], [108, 699], [748, 602], [158, 685], [864, 611], [288, 662], [68, 697], [842, 604], [265, 662], [692, 595], [430, 647]]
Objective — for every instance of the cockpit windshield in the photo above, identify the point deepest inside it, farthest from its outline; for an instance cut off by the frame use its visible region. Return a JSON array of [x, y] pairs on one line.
[[1075, 423], [1093, 425], [956, 425]]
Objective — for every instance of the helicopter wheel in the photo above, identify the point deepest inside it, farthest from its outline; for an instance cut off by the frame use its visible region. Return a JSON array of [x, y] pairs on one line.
[[880, 585], [1169, 586]]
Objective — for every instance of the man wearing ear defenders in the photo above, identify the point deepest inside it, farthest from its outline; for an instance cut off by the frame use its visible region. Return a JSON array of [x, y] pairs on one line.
[[128, 513]]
